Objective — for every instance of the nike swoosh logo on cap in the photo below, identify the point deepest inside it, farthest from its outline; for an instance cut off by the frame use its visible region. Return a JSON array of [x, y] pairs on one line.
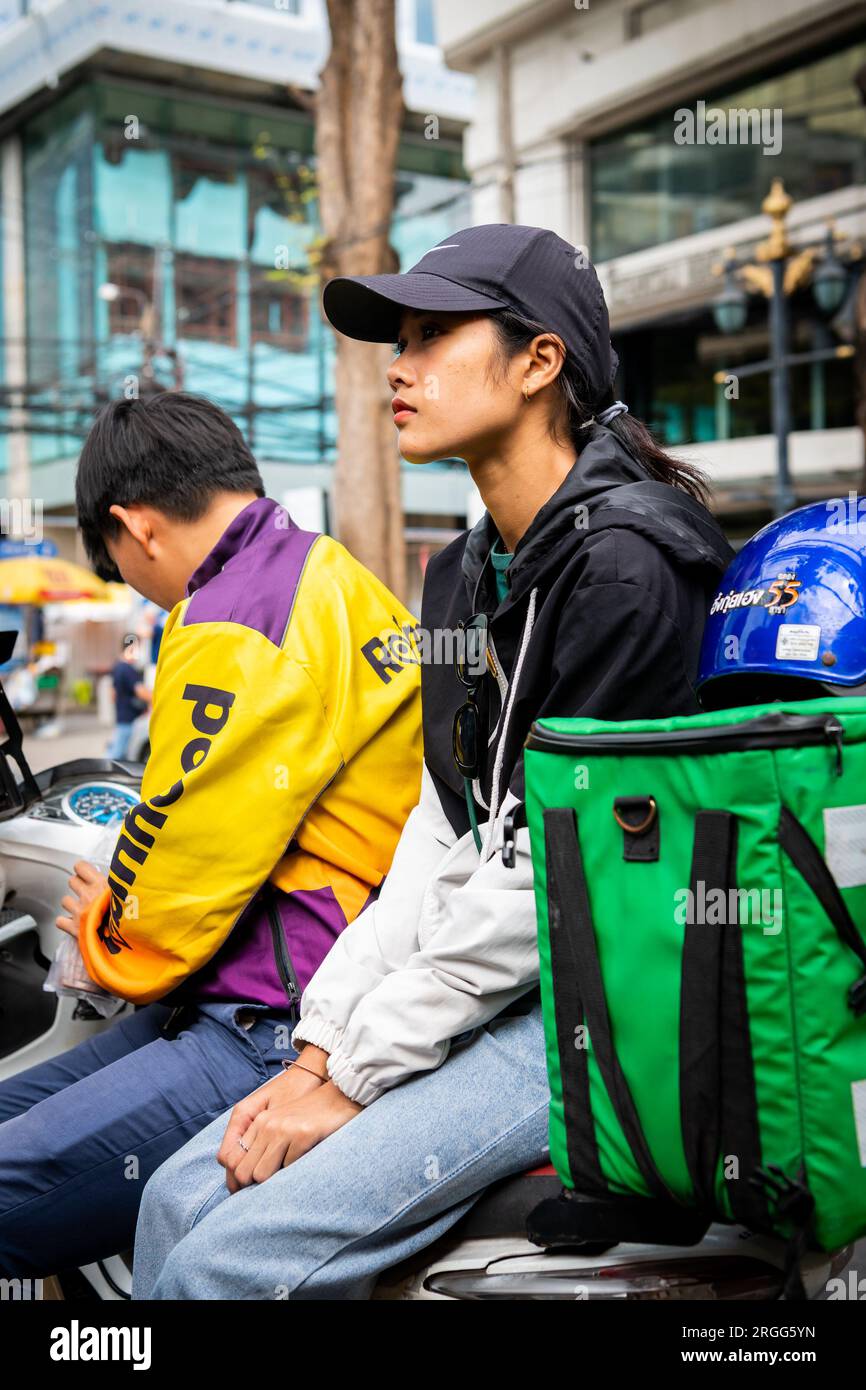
[[450, 245]]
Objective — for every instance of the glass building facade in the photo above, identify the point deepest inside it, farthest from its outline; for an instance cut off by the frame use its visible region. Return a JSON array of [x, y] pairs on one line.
[[174, 239], [668, 368], [646, 189]]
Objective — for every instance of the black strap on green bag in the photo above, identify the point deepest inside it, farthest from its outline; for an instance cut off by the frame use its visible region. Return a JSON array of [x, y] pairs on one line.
[[713, 860], [809, 861], [569, 910], [583, 1160], [792, 1199], [713, 1112], [718, 1102]]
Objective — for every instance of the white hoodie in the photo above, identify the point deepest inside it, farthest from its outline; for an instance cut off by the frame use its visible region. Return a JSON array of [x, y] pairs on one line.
[[449, 943]]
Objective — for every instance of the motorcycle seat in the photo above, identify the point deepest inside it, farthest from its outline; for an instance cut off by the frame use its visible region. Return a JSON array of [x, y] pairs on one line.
[[503, 1209]]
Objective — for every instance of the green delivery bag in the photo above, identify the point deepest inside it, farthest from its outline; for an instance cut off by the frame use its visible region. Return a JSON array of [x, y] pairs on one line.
[[701, 895]]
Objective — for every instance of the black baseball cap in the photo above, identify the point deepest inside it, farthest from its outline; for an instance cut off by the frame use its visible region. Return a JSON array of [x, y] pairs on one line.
[[529, 270]]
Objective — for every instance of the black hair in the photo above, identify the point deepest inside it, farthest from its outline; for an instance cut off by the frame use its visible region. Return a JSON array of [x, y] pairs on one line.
[[172, 451], [516, 332]]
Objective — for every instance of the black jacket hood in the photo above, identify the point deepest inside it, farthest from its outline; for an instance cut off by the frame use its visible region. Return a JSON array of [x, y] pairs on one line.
[[605, 488], [580, 632]]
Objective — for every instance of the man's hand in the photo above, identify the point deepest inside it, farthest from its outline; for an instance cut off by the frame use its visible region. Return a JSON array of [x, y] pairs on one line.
[[278, 1123], [87, 884]]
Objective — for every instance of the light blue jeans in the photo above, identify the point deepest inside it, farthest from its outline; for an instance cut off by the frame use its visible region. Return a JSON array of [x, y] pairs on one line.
[[393, 1179], [118, 744]]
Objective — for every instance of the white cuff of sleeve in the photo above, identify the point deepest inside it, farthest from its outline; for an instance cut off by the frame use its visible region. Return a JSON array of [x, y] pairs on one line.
[[317, 1032], [345, 1077]]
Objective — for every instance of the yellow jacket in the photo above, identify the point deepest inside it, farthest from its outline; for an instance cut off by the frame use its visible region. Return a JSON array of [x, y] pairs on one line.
[[286, 747]]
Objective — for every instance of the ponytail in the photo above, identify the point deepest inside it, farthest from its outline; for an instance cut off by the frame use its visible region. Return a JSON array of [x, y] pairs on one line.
[[638, 441]]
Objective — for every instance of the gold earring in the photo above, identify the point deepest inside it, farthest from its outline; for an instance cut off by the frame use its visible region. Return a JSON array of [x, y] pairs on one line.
[[526, 392]]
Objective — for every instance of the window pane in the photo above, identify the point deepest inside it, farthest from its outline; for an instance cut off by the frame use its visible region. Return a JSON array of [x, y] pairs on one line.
[[281, 211], [425, 23], [278, 310], [647, 189], [130, 268], [210, 208], [668, 368], [133, 191], [205, 293]]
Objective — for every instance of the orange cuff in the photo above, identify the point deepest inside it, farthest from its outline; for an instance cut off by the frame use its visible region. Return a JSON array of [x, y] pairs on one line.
[[88, 926], [140, 976]]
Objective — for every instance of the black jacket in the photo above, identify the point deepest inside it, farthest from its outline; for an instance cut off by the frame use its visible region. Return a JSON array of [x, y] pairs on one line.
[[609, 591]]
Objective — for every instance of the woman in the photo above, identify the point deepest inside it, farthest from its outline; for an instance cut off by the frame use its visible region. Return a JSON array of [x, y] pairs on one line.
[[421, 1073]]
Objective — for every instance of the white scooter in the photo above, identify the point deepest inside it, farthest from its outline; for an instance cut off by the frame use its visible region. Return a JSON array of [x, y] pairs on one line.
[[50, 820], [47, 822]]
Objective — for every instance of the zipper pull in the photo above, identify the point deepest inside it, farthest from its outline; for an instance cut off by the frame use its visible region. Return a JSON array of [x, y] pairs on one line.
[[172, 1018], [834, 730]]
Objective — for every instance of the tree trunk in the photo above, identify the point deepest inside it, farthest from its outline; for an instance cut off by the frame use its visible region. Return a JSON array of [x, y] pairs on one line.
[[359, 111]]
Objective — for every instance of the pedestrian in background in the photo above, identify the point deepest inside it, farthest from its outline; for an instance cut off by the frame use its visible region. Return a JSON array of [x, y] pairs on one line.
[[131, 695]]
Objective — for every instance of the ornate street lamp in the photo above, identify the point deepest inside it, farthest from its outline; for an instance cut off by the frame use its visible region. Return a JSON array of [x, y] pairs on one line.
[[831, 279], [731, 307]]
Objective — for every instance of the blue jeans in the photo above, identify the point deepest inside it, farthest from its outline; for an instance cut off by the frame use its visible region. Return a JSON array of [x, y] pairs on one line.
[[81, 1133], [118, 744], [382, 1187]]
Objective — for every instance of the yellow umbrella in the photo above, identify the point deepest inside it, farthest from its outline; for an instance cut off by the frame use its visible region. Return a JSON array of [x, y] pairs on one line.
[[42, 579]]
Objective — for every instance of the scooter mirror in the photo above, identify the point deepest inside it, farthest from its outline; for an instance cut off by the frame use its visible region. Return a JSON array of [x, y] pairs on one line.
[[11, 795]]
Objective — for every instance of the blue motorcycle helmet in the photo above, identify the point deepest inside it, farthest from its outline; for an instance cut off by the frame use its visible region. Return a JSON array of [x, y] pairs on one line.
[[789, 621]]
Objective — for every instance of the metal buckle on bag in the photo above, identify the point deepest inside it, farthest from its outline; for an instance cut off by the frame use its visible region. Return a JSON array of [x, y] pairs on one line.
[[638, 819], [647, 821], [513, 822]]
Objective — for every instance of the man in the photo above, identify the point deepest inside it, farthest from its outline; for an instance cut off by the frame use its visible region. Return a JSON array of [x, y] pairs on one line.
[[131, 696], [285, 757]]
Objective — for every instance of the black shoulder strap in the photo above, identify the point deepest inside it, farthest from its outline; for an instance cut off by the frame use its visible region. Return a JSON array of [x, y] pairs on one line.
[[740, 1130], [713, 867], [581, 1143], [718, 1101], [571, 909], [809, 861]]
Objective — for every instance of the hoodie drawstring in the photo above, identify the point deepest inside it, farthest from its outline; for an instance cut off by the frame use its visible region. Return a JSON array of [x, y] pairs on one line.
[[500, 749], [470, 807]]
